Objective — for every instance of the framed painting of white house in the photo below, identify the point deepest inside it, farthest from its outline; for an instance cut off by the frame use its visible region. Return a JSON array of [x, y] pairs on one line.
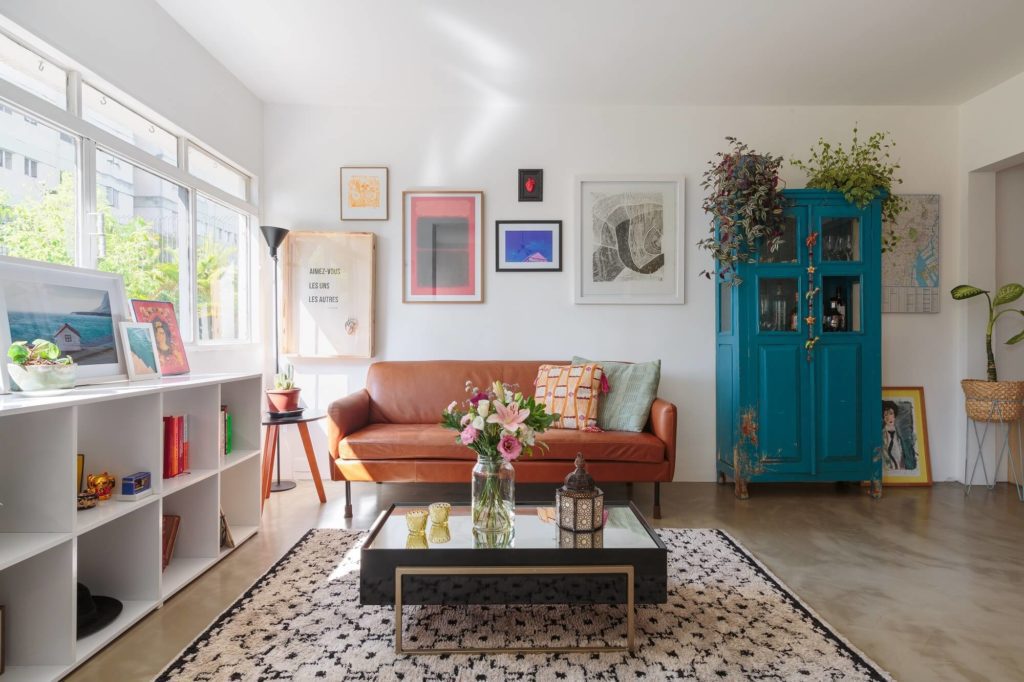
[[629, 239], [75, 308]]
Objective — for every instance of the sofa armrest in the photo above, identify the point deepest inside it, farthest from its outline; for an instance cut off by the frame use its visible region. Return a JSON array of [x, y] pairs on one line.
[[663, 425], [345, 416]]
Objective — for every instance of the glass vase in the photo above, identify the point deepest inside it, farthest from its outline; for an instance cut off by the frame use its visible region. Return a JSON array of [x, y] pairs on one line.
[[494, 496]]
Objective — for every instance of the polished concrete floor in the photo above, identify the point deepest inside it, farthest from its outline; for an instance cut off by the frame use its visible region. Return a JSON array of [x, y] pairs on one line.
[[927, 582]]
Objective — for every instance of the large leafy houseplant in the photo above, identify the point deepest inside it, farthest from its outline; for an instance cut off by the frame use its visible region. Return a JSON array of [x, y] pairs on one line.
[[744, 198], [862, 173], [993, 400]]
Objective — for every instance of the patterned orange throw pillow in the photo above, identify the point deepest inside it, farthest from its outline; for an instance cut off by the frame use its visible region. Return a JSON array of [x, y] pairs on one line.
[[571, 391]]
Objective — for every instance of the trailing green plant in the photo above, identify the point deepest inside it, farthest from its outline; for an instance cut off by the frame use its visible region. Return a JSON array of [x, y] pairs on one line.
[[38, 353], [744, 198], [861, 173], [1008, 293], [285, 381]]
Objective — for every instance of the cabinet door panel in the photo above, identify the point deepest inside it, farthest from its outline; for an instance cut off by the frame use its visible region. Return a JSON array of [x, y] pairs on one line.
[[780, 407], [839, 395]]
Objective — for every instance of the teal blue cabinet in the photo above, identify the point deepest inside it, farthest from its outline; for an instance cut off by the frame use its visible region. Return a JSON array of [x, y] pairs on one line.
[[799, 350]]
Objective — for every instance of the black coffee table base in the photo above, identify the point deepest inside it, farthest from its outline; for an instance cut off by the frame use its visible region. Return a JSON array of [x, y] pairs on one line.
[[448, 571]]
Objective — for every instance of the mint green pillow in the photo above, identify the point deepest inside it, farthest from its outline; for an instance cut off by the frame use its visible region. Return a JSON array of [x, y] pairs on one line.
[[632, 390]]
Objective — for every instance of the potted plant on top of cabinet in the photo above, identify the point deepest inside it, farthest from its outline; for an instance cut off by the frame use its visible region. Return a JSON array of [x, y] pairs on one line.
[[993, 400], [745, 201]]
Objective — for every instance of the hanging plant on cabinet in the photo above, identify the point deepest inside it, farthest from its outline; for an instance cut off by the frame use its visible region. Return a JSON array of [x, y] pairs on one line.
[[862, 173], [744, 198]]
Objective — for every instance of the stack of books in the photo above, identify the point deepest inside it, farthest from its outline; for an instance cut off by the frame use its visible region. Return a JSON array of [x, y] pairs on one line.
[[176, 456]]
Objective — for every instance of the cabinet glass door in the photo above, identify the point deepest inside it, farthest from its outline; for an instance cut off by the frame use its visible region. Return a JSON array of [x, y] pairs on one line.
[[778, 304], [840, 238], [785, 247]]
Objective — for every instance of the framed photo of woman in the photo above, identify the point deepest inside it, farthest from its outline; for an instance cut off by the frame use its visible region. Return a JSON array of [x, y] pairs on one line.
[[169, 345], [906, 459]]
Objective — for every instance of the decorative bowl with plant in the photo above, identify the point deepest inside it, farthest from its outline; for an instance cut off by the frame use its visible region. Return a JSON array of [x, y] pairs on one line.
[[744, 198], [284, 397], [993, 400], [862, 173], [38, 366]]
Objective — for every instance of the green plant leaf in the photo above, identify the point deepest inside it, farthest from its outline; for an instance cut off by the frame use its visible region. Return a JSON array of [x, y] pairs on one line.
[[1016, 338], [964, 291], [1008, 293], [18, 353]]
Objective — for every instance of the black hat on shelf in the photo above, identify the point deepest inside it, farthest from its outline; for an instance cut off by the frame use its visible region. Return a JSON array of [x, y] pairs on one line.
[[95, 613]]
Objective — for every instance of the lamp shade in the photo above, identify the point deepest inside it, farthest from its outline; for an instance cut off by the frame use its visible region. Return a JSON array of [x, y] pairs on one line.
[[274, 237]]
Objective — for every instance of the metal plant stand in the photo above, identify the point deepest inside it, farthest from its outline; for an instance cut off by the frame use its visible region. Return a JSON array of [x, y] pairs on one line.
[[1004, 449]]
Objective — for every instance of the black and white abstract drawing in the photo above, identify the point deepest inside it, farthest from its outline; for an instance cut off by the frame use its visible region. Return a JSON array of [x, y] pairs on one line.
[[630, 240]]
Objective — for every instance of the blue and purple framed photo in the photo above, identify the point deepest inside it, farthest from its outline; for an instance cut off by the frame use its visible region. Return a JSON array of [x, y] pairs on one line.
[[528, 245]]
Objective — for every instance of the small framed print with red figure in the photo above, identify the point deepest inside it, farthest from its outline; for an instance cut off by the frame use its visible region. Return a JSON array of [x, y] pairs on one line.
[[531, 184], [169, 345]]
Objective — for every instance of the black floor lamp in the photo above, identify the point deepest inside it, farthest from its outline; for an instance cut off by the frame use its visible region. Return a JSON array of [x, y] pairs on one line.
[[274, 237]]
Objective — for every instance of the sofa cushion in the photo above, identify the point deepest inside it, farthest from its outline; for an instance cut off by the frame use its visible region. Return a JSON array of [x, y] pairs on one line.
[[572, 392], [430, 441], [633, 389]]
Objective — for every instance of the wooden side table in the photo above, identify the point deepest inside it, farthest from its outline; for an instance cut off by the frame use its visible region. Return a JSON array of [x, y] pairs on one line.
[[270, 450]]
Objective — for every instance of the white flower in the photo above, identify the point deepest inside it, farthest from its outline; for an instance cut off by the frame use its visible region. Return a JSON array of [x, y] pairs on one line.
[[466, 418], [528, 435], [478, 423], [451, 406], [483, 407], [508, 397]]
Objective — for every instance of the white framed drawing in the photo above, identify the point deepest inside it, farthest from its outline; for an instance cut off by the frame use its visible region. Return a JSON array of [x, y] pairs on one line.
[[629, 239], [76, 308], [140, 355], [364, 193]]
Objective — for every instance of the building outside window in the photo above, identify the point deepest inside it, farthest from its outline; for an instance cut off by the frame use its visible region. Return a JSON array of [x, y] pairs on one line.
[[31, 167]]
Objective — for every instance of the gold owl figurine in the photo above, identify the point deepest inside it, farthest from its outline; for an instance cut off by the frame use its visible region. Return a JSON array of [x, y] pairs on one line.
[[101, 484]]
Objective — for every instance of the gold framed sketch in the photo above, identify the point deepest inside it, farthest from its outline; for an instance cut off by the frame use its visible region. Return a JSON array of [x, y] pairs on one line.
[[328, 294], [364, 192], [906, 459]]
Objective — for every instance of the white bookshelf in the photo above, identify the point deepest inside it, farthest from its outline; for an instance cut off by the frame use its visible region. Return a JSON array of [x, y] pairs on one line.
[[47, 545]]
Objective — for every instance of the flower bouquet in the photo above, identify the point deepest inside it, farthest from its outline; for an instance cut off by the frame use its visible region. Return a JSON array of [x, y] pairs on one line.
[[499, 425]]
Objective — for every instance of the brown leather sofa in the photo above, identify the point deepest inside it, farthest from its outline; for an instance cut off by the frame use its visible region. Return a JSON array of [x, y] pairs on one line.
[[390, 432]]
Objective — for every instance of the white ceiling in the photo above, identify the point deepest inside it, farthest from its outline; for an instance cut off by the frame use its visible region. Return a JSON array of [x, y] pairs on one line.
[[612, 52]]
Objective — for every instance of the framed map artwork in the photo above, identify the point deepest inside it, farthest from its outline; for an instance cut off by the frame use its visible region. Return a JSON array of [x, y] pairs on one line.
[[910, 257]]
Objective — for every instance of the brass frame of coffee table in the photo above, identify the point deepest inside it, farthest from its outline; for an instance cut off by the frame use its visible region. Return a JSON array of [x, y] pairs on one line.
[[627, 571]]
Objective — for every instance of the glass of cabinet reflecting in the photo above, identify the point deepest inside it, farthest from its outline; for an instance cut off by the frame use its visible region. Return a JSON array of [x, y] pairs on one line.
[[840, 304], [778, 304], [784, 247], [840, 239]]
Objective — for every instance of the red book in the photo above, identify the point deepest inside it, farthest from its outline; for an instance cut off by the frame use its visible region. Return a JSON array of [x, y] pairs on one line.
[[179, 442], [170, 452], [185, 466]]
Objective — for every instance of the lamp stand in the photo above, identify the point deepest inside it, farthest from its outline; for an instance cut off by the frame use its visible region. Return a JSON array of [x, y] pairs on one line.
[[278, 486]]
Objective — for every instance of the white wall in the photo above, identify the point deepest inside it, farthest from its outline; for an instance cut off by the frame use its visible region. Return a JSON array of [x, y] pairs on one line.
[[140, 49], [532, 315]]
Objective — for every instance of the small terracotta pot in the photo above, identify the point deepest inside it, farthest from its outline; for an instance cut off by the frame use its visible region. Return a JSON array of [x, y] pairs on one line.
[[283, 401]]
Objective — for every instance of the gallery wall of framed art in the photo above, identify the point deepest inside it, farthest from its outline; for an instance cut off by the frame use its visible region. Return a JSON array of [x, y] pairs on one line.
[[629, 239], [442, 246]]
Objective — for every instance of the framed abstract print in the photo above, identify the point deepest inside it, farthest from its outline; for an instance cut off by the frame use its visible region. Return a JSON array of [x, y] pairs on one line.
[[364, 193], [140, 355], [442, 246], [528, 245], [328, 294], [906, 459], [169, 346], [531, 184], [629, 239]]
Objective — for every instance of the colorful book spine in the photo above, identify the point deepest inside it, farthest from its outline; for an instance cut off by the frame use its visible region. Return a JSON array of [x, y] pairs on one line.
[[185, 423], [220, 430], [171, 439], [227, 433]]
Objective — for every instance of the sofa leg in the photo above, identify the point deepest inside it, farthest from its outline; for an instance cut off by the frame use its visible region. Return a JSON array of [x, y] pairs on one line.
[[348, 499], [657, 500]]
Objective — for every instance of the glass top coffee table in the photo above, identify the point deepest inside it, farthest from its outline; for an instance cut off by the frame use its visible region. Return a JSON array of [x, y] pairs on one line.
[[623, 563]]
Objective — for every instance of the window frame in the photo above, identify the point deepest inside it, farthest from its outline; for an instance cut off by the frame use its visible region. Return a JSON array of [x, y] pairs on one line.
[[89, 137]]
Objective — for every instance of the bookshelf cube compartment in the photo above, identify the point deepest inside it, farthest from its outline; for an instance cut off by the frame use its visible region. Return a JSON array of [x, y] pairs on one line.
[[244, 401], [38, 496], [241, 509], [201, 404], [197, 543], [119, 437], [39, 612]]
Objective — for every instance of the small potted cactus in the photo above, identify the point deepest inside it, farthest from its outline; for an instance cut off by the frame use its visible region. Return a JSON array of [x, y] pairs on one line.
[[284, 397]]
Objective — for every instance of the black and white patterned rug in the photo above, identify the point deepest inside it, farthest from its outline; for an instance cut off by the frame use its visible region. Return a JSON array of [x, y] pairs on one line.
[[727, 618]]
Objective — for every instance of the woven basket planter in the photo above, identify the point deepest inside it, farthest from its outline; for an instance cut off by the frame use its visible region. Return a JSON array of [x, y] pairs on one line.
[[994, 401]]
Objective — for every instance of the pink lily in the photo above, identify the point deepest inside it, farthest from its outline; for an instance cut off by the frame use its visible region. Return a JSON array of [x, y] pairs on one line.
[[510, 417]]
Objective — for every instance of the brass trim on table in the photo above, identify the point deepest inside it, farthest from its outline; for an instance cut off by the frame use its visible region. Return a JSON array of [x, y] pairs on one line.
[[627, 571]]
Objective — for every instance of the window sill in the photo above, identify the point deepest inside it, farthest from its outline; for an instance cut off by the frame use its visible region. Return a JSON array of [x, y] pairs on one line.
[[222, 346]]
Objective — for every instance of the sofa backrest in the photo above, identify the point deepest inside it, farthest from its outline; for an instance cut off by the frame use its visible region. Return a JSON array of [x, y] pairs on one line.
[[416, 392]]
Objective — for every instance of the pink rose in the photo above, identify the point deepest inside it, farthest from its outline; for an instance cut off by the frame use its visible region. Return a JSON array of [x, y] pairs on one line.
[[510, 447], [469, 435]]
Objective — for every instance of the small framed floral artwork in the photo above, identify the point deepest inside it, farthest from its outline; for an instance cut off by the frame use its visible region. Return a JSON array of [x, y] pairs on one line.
[[905, 456], [442, 246], [531, 184], [522, 245], [364, 193]]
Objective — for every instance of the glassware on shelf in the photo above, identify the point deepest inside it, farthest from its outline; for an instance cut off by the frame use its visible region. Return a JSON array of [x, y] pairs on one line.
[[780, 310]]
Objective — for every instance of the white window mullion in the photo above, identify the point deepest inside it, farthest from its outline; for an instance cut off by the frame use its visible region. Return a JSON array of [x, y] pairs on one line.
[[189, 317], [74, 87], [90, 224]]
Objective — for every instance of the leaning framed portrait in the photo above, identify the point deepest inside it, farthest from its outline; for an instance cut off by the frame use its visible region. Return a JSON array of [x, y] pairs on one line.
[[364, 193], [328, 294], [629, 239], [442, 246], [75, 308], [906, 459]]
